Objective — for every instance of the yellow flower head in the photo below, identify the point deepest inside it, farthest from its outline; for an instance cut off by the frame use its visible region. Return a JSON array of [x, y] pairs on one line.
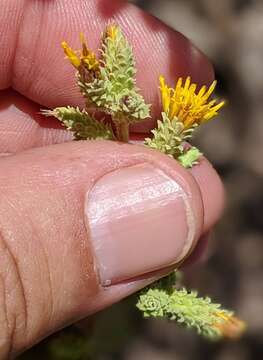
[[229, 326], [188, 105], [71, 55], [86, 57], [111, 31]]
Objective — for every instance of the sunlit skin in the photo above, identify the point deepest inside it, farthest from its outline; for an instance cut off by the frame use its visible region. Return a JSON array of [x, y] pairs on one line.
[[34, 75]]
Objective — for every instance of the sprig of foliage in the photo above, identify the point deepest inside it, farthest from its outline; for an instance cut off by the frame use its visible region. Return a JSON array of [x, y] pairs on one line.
[[108, 82], [83, 125], [163, 300], [190, 157], [108, 85], [114, 88]]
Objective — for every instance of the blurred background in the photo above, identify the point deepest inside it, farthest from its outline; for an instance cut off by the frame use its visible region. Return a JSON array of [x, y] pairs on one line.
[[230, 32]]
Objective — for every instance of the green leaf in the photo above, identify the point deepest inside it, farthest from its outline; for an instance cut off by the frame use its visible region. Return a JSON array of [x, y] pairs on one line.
[[82, 124], [167, 137], [114, 91], [190, 157], [163, 300]]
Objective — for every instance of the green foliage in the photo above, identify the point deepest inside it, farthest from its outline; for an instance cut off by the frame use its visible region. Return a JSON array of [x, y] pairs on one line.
[[190, 157], [169, 137], [114, 88], [82, 124], [163, 300], [166, 137]]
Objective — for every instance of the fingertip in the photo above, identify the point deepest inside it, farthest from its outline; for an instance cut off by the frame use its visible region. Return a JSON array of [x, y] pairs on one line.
[[212, 191], [41, 73]]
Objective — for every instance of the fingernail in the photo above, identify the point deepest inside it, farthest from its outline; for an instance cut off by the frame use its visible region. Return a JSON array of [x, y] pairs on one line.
[[140, 220]]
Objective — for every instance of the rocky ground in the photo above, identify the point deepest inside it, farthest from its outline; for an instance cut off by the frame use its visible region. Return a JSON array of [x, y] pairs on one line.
[[230, 32]]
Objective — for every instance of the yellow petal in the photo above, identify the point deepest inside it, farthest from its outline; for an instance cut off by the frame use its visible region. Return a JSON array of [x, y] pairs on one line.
[[162, 81], [88, 58], [178, 85], [210, 90], [165, 93], [187, 84], [71, 54], [188, 105], [85, 50], [213, 111], [112, 31], [90, 61], [201, 91], [229, 326]]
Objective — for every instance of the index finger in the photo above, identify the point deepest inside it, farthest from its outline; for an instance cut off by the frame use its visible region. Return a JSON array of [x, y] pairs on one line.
[[33, 62]]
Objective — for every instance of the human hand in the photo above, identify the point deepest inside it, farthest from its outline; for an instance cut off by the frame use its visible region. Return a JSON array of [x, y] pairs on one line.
[[85, 224]]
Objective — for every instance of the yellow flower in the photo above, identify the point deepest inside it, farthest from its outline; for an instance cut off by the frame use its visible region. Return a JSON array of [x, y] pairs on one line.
[[71, 55], [111, 31], [188, 105], [87, 58], [229, 326]]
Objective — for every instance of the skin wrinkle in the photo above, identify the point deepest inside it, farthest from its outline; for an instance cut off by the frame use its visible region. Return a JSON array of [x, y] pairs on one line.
[[87, 258], [21, 126], [49, 288], [10, 17], [34, 48], [12, 64], [27, 309], [16, 131], [5, 345], [12, 324], [75, 257], [158, 37]]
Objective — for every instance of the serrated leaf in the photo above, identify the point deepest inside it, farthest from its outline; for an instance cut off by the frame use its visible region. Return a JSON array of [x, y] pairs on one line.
[[83, 125]]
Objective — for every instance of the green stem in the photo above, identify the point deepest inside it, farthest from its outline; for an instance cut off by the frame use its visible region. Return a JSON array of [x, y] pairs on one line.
[[122, 130]]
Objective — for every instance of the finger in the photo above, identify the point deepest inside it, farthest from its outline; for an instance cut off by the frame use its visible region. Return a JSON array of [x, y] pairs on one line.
[[22, 127], [212, 190], [83, 225], [199, 254], [33, 62]]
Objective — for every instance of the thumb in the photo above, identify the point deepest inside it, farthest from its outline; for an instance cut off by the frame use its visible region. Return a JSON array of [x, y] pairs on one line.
[[83, 225]]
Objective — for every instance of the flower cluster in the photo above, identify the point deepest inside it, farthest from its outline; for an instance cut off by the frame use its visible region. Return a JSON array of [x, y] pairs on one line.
[[184, 109], [186, 105], [81, 60], [108, 82]]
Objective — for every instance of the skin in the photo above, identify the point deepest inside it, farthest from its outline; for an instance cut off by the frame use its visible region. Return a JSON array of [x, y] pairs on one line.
[[42, 169]]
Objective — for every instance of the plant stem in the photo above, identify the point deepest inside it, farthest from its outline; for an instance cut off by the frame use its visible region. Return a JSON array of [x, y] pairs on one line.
[[122, 130]]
